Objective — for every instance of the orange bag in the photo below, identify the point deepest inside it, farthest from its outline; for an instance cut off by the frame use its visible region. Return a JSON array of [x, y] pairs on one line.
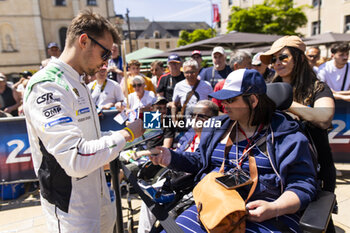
[[219, 209]]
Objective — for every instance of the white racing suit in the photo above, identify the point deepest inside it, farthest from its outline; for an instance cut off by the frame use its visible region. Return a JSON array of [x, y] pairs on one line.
[[68, 152]]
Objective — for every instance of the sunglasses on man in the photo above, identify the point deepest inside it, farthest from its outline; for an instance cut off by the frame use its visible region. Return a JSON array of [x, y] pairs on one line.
[[137, 85], [283, 58], [106, 54]]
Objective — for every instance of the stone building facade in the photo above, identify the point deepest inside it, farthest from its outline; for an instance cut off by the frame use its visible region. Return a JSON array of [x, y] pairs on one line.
[[27, 26]]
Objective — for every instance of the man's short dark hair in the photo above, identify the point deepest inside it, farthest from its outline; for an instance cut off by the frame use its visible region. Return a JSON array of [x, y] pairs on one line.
[[340, 47], [91, 23]]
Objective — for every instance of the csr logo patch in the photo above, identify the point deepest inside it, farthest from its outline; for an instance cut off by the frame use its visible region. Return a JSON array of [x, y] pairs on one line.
[[44, 97], [50, 112], [48, 98]]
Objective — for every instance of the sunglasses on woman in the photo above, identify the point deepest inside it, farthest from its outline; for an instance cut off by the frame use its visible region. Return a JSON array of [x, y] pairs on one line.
[[137, 85], [106, 54], [283, 58]]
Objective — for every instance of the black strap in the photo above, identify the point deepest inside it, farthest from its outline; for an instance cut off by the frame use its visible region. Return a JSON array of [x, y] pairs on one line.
[[159, 211], [188, 97], [345, 76]]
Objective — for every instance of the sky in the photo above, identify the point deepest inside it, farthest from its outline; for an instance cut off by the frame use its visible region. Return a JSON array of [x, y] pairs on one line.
[[167, 10]]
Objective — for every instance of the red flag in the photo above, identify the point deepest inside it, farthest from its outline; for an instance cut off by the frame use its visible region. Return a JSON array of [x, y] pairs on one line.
[[216, 14]]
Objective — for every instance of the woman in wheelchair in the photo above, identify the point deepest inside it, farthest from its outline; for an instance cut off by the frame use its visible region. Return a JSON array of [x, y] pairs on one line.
[[286, 174]]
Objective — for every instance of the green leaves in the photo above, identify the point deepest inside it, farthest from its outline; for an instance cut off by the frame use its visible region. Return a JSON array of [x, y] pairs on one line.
[[197, 35], [271, 17]]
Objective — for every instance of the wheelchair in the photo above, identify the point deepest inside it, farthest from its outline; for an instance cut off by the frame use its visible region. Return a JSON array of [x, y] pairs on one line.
[[315, 217]]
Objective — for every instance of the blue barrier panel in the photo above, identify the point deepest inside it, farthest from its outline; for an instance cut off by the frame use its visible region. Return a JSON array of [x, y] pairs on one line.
[[15, 156], [339, 136]]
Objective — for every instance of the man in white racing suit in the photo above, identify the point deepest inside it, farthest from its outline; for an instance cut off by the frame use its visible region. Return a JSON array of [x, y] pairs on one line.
[[64, 132]]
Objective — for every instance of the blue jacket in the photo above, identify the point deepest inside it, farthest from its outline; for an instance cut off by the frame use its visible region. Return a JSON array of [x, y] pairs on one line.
[[289, 152]]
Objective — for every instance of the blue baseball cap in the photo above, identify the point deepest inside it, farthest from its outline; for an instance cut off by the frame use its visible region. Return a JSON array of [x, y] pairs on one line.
[[174, 58], [239, 82], [52, 44]]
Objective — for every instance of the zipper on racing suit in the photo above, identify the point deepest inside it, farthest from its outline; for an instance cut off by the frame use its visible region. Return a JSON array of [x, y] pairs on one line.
[[93, 108]]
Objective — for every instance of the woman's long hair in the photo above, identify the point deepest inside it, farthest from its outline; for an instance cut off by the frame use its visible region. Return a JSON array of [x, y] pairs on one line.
[[303, 79], [263, 112]]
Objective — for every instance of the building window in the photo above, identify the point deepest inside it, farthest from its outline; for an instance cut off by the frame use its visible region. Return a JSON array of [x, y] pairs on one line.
[[315, 28], [60, 2], [146, 44], [167, 45], [157, 45], [315, 3], [91, 2], [62, 34], [347, 23], [230, 2], [156, 34], [7, 39]]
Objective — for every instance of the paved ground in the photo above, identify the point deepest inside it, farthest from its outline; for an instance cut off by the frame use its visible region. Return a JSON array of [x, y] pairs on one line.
[[24, 214]]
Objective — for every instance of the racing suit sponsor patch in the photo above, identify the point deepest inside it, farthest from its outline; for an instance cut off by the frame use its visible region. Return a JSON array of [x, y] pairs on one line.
[[84, 119], [82, 111], [47, 98], [50, 112], [61, 120]]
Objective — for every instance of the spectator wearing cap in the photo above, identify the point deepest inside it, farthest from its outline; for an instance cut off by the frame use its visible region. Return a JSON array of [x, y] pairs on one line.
[[197, 56], [183, 98], [219, 71], [53, 50], [168, 81], [140, 98], [10, 99], [134, 68], [157, 70], [115, 65], [262, 68], [106, 93], [240, 59], [313, 102]]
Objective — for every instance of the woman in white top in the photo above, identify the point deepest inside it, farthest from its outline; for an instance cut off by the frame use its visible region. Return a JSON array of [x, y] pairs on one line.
[[140, 98]]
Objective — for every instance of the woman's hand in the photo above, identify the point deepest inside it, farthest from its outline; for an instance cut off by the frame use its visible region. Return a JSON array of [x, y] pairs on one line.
[[259, 211], [160, 156]]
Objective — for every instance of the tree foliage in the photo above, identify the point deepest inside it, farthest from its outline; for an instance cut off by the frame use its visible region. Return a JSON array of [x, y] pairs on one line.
[[197, 35], [272, 17]]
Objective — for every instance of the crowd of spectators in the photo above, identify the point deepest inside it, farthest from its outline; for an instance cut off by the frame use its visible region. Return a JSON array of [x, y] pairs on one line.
[[179, 86]]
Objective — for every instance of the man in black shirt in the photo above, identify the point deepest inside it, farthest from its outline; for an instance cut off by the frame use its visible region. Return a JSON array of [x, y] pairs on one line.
[[168, 81]]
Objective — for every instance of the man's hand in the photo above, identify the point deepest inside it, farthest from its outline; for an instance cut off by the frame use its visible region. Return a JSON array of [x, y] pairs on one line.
[[137, 128], [160, 156], [107, 106], [119, 106]]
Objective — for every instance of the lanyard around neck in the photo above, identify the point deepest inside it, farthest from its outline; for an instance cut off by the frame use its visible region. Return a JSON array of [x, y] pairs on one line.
[[102, 88], [249, 145]]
